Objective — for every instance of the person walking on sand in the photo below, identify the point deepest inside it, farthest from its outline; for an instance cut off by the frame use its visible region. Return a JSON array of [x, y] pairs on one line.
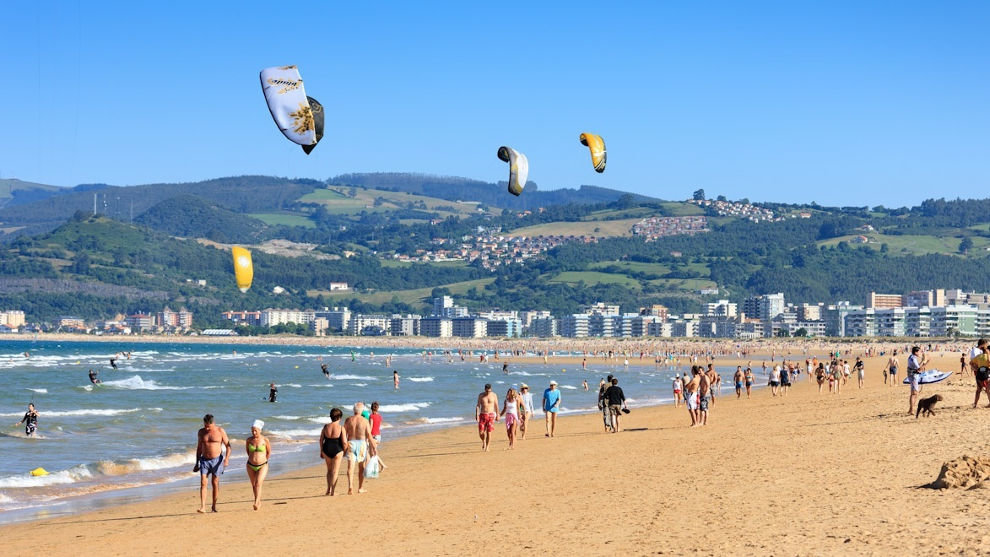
[[551, 404], [616, 403], [678, 386], [738, 380], [211, 459], [603, 405], [333, 441], [749, 381], [860, 368], [486, 414], [892, 365], [704, 397], [691, 396], [528, 409], [359, 447], [915, 366], [981, 370], [510, 409], [257, 464]]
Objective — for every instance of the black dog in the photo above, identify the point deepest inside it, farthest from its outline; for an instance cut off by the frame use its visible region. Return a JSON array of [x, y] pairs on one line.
[[926, 405]]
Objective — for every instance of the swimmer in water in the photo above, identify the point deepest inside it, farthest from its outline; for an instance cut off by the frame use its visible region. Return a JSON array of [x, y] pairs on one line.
[[326, 370], [92, 377], [505, 368], [272, 393], [113, 363], [395, 379]]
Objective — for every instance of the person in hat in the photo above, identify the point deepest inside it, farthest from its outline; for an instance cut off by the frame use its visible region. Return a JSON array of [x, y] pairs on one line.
[[528, 409], [259, 450], [551, 404]]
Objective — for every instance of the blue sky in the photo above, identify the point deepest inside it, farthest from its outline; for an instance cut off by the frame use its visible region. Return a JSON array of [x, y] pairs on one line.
[[843, 103]]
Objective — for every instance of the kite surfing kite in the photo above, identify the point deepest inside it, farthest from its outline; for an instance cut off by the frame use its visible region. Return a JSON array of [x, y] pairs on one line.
[[243, 268], [518, 168], [300, 118], [596, 145]]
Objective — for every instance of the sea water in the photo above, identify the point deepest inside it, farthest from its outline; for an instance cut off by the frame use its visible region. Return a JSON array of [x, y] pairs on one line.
[[134, 435]]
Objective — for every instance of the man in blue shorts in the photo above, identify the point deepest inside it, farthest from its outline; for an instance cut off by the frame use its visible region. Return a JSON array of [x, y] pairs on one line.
[[211, 459]]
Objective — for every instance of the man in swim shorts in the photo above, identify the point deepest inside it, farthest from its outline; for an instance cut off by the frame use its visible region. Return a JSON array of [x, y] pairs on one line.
[[359, 447], [486, 413], [691, 396], [738, 379], [211, 459]]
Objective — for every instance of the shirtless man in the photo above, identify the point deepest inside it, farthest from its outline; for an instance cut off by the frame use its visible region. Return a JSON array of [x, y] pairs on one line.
[[209, 459], [691, 396], [359, 446], [704, 397], [892, 365], [738, 380], [713, 382], [486, 414]]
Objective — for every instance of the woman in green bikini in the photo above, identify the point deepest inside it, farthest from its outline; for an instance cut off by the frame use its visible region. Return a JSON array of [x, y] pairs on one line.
[[259, 450]]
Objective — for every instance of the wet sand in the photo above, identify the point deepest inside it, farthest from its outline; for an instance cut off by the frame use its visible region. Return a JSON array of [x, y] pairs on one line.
[[805, 474]]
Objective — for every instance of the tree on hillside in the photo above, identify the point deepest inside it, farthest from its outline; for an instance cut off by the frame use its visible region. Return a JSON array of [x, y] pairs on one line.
[[965, 245], [699, 195]]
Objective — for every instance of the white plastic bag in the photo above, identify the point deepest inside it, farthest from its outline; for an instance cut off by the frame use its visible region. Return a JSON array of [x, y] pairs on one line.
[[371, 469]]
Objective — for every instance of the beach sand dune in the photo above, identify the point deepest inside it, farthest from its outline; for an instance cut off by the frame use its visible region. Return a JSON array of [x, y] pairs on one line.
[[806, 474]]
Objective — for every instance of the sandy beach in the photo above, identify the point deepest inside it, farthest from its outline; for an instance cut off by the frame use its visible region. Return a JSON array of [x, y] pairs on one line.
[[804, 474]]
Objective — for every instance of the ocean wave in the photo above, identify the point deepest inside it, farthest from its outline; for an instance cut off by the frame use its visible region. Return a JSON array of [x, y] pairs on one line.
[[571, 387], [296, 432], [81, 412], [40, 391], [288, 418], [439, 420], [420, 379], [355, 377], [293, 385], [359, 384], [87, 472], [409, 407], [136, 383]]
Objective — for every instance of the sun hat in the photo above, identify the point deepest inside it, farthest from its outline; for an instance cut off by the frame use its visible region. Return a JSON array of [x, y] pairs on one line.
[[524, 386], [552, 382], [258, 424]]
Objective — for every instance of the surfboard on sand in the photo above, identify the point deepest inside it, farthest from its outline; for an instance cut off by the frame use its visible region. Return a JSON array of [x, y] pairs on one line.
[[930, 376]]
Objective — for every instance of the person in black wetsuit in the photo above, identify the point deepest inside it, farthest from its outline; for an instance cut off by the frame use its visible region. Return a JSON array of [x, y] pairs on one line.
[[272, 392], [30, 421], [113, 363], [326, 370], [92, 377]]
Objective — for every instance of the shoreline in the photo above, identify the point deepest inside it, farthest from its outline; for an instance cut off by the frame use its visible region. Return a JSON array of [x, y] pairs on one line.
[[824, 473]]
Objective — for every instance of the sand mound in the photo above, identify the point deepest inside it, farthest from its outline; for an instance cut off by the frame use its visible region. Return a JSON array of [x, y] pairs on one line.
[[965, 472]]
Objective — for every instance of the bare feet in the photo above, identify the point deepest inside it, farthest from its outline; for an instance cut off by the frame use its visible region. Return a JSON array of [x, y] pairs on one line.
[[255, 506], [201, 510], [362, 491]]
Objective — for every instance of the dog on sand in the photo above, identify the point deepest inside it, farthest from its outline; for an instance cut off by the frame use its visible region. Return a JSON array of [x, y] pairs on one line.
[[927, 405]]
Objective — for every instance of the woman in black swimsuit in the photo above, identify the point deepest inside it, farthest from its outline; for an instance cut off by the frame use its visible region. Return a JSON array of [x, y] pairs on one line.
[[333, 439]]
